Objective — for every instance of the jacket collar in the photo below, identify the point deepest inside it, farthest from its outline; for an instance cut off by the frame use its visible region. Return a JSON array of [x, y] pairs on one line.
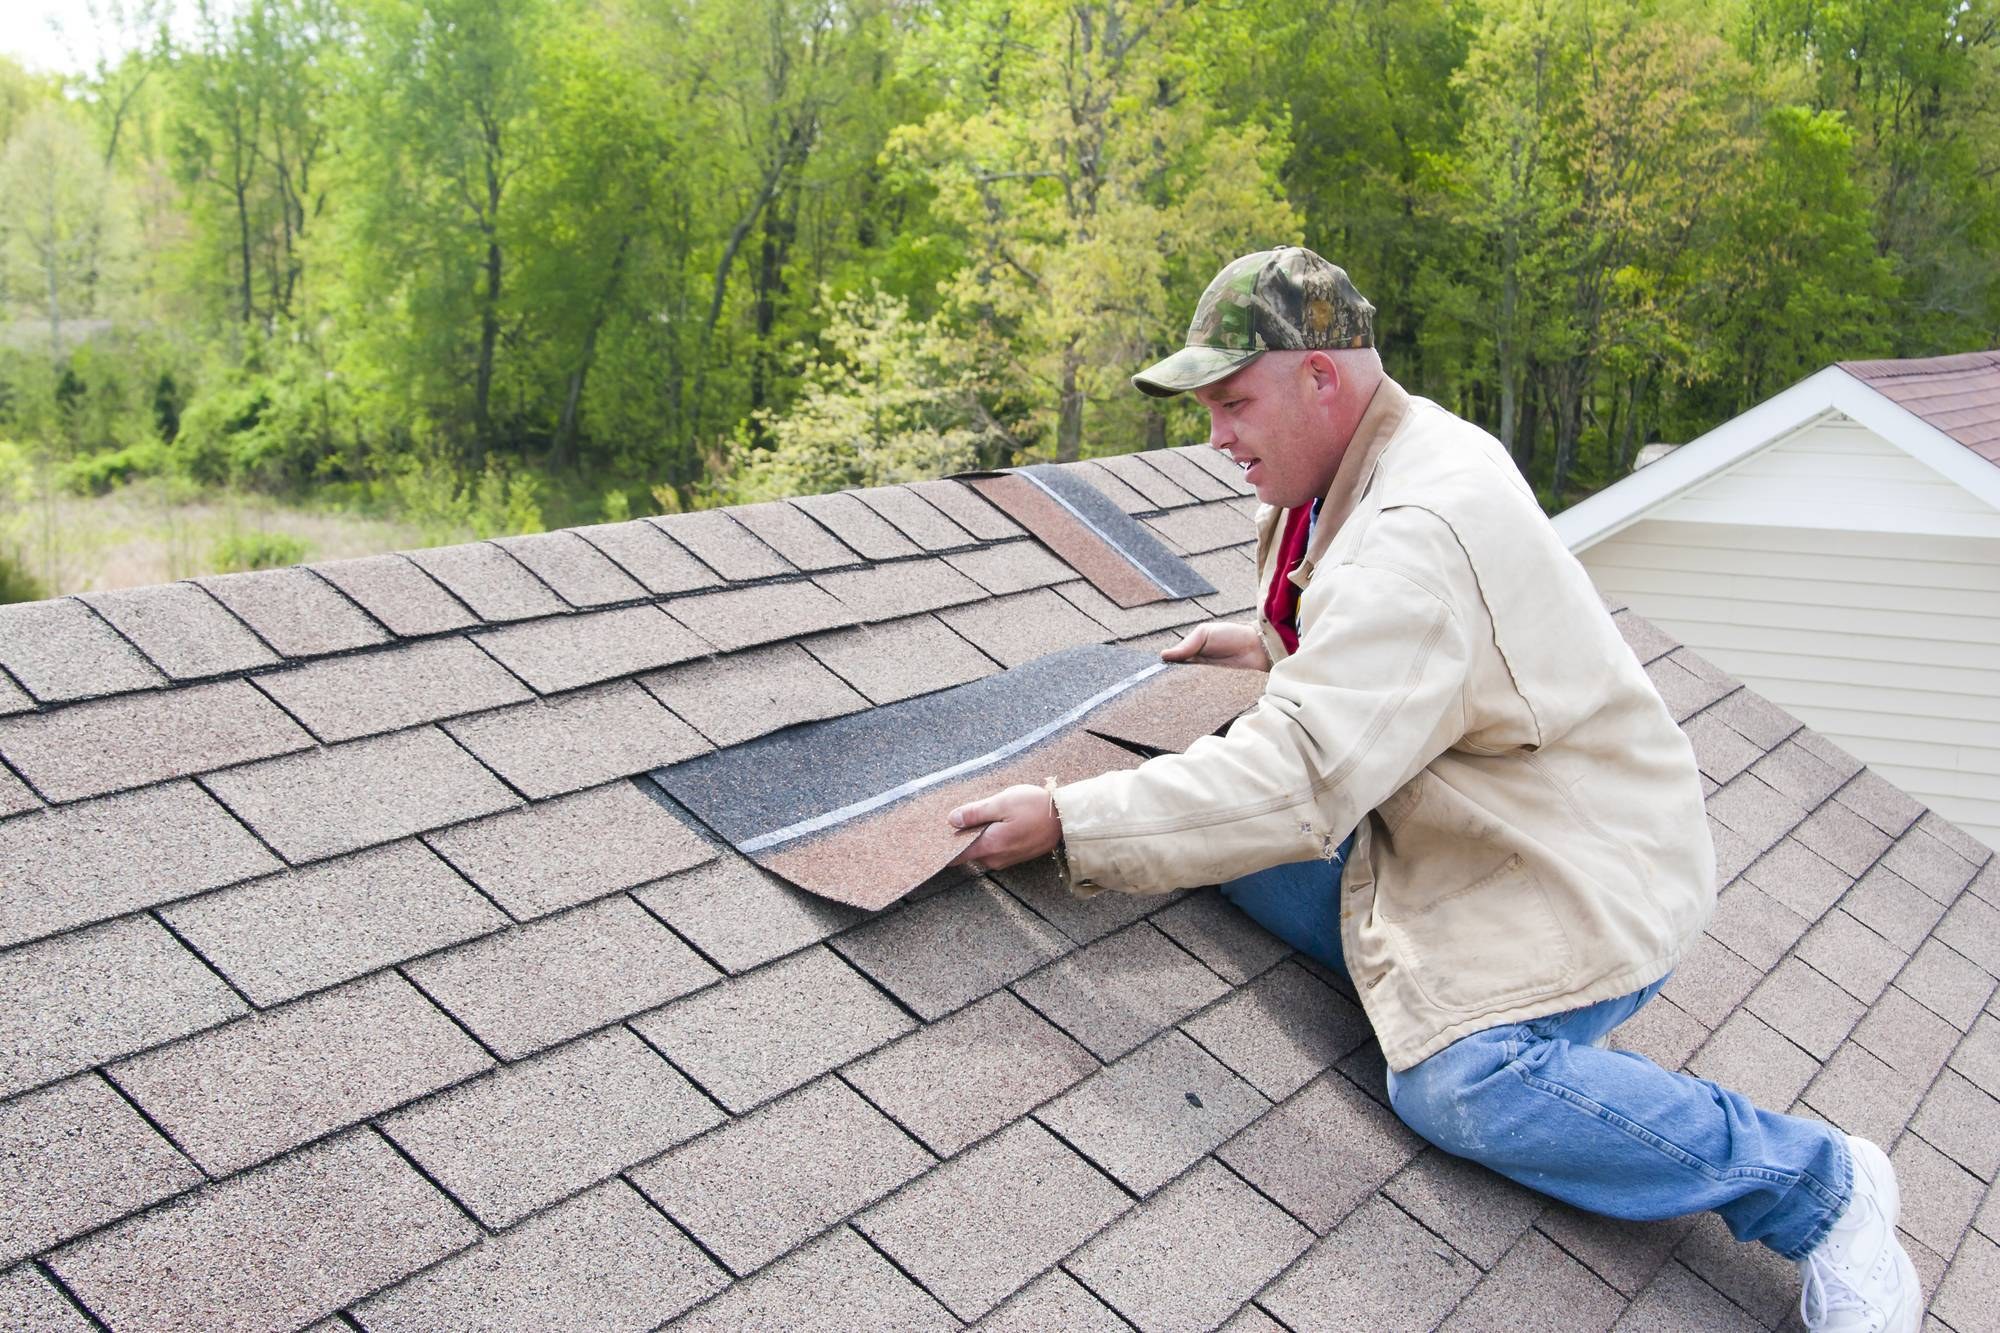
[[1378, 425]]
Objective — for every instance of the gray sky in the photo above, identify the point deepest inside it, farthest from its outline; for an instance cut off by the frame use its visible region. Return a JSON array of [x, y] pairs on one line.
[[29, 33]]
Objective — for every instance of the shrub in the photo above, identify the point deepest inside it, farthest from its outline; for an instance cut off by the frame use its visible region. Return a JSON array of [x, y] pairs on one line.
[[256, 550]]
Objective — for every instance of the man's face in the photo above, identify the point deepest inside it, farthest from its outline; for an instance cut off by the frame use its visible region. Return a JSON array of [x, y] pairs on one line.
[[1272, 415]]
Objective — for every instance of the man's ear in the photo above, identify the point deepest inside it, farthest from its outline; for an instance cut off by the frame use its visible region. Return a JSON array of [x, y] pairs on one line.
[[1325, 373]]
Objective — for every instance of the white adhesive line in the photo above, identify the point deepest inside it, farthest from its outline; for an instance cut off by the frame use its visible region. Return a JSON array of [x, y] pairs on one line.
[[1102, 535], [765, 841]]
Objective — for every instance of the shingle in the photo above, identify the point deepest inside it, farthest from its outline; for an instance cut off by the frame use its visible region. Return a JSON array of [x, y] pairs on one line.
[[744, 617], [577, 571], [1973, 928], [1795, 771], [1160, 491], [1746, 1054], [399, 594], [1978, 1056], [558, 853], [184, 631], [759, 1186], [1121, 990], [58, 650], [953, 1082], [1037, 884], [1954, 837], [1627, 1255], [1930, 865], [1734, 853], [72, 1002], [1881, 802], [565, 652], [740, 916], [746, 695], [1128, 622], [1965, 1297], [952, 947], [15, 798], [904, 588], [1216, 931], [1842, 837], [1234, 578], [661, 566], [1663, 1032], [1753, 1276], [1208, 527], [915, 517], [1187, 1258], [295, 611], [1198, 481], [96, 860], [77, 1156], [1280, 1031], [967, 508], [1322, 1152], [1962, 1122], [1755, 810], [1016, 629], [1677, 1300], [1756, 717], [1011, 566], [723, 545], [233, 1096], [1806, 1008], [1892, 907], [1647, 642], [1380, 1271], [838, 1282], [279, 937], [764, 1033], [1534, 1279], [900, 659], [579, 740], [495, 585], [1799, 878], [1684, 692], [325, 802], [1939, 1196], [94, 748], [978, 1227], [1851, 956], [794, 536], [542, 983], [1151, 1115], [1863, 1096], [1947, 983], [1480, 1213], [1112, 489], [1217, 464], [1053, 1301], [857, 525], [344, 698], [1710, 981], [1755, 925], [28, 1304], [602, 1261], [1707, 670], [231, 1256], [537, 1131]]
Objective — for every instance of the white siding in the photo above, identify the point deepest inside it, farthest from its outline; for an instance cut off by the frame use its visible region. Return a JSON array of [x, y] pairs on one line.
[[1836, 474], [1886, 643]]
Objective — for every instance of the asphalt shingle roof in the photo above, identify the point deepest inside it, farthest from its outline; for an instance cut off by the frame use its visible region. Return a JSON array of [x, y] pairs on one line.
[[351, 970]]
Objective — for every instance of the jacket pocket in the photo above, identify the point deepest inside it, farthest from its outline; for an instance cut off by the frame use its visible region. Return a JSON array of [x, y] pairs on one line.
[[1494, 943]]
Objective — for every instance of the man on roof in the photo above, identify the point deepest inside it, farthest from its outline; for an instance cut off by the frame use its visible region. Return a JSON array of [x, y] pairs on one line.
[[1461, 790]]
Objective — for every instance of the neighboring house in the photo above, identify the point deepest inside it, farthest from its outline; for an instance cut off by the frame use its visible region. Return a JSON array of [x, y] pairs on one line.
[[353, 970], [1838, 548]]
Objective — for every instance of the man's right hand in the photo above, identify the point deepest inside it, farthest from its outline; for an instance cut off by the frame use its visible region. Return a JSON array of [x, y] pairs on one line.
[[1222, 644]]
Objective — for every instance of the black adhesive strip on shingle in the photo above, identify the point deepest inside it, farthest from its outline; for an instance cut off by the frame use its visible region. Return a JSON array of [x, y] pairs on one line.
[[1120, 530], [772, 783]]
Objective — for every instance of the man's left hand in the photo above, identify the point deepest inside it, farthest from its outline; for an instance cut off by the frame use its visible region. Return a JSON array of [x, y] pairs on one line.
[[1020, 825]]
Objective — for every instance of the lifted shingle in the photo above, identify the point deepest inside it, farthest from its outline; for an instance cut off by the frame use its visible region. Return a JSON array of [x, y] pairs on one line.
[[343, 698], [578, 740], [295, 611], [303, 930], [884, 592], [397, 593], [723, 545], [743, 617], [540, 984], [857, 525], [341, 799], [137, 739], [915, 517], [1018, 629], [745, 695], [495, 585], [274, 1248], [102, 858], [900, 659], [557, 853], [184, 631], [531, 1133], [576, 570], [794, 536], [60, 651], [564, 652], [1011, 566], [650, 556], [602, 1261], [237, 1095]]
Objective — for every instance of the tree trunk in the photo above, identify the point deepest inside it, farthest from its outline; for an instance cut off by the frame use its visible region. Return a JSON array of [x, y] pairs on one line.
[[489, 336], [1069, 424], [562, 452]]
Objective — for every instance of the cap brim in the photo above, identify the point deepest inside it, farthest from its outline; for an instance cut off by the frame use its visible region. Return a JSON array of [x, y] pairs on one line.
[[1190, 368]]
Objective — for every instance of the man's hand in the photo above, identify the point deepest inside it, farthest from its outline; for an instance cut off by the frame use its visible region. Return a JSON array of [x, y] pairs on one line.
[[1222, 644], [1020, 825]]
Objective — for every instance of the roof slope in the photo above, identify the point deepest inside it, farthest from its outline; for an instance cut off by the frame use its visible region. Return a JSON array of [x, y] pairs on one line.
[[345, 967], [1960, 395]]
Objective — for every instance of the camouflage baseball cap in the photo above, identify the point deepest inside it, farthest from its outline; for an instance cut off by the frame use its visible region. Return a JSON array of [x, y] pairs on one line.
[[1275, 300]]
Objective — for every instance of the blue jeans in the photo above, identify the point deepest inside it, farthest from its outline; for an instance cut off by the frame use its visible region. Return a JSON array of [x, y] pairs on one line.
[[1607, 1131]]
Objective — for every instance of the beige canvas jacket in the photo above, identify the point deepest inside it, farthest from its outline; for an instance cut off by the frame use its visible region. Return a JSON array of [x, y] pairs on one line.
[[1530, 835]]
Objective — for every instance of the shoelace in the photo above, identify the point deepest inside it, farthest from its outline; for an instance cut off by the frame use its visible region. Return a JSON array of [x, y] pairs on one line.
[[1824, 1292]]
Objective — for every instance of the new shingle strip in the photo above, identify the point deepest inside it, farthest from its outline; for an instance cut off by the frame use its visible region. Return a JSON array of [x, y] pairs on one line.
[[1072, 518]]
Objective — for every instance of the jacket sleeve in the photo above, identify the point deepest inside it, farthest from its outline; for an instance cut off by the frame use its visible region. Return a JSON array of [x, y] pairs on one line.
[[1374, 693]]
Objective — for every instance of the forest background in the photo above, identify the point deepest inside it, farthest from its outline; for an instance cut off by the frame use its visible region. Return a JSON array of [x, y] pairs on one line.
[[300, 278]]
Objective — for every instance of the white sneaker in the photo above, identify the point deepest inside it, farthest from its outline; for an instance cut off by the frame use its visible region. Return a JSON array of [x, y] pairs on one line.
[[1859, 1279]]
